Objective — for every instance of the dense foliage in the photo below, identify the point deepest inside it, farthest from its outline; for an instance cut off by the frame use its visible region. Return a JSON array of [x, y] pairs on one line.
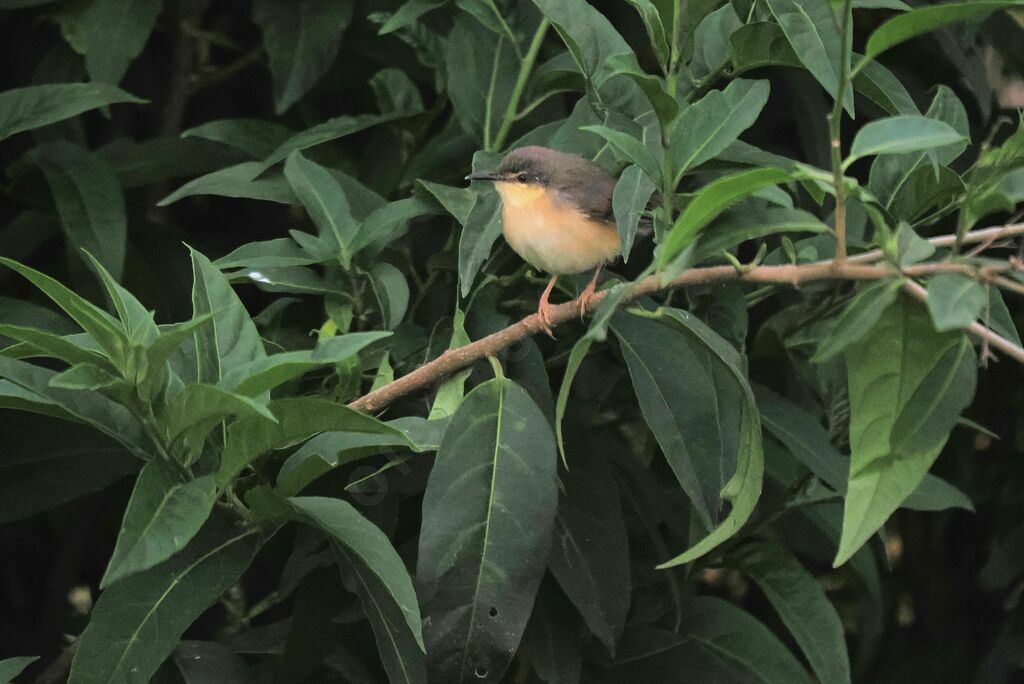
[[785, 446]]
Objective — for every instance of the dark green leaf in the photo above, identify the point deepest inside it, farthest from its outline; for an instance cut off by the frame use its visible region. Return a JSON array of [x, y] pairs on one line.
[[483, 544], [12, 667], [332, 129], [486, 68], [23, 109], [325, 201], [629, 200], [590, 549], [899, 134], [954, 301], [89, 27], [382, 582], [736, 227], [138, 621], [240, 180], [633, 149], [483, 226], [88, 198], [256, 137], [801, 603], [302, 38], [163, 515], [859, 317]]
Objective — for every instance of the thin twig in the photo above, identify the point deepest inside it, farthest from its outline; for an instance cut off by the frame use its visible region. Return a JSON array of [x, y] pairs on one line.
[[852, 269]]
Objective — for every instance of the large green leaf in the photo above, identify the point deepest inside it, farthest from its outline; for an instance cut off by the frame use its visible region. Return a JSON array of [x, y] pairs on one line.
[[483, 226], [488, 512], [691, 403], [801, 603], [325, 201], [713, 123], [298, 420], [486, 66], [264, 374], [23, 109], [89, 28], [103, 327], [812, 30], [138, 621], [12, 667], [302, 38], [43, 343], [241, 180], [163, 515], [88, 198], [955, 301], [590, 549], [95, 409], [196, 409], [735, 227], [716, 639], [332, 129], [255, 137], [231, 340], [907, 386], [859, 317], [712, 200], [629, 200], [922, 20], [744, 487], [382, 582], [899, 134]]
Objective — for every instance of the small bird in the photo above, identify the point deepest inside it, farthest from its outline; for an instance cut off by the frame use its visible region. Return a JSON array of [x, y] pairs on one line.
[[557, 215]]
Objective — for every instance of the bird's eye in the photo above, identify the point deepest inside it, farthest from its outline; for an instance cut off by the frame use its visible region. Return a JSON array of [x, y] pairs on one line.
[[523, 177]]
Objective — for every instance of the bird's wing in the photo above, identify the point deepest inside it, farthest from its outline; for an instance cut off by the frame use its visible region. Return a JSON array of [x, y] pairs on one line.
[[591, 192]]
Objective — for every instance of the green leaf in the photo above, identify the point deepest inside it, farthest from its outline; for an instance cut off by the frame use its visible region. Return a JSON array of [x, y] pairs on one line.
[[896, 369], [486, 66], [240, 180], [231, 340], [256, 137], [325, 201], [712, 41], [483, 226], [737, 227], [88, 27], [302, 38], [590, 551], [691, 403], [85, 377], [807, 441], [633, 149], [899, 134], [382, 582], [407, 14], [760, 44], [277, 253], [12, 667], [456, 201], [136, 320], [725, 644], [955, 301], [297, 420], [23, 109], [48, 344], [926, 19], [655, 30], [94, 320], [744, 487], [88, 198], [801, 603], [332, 129], [389, 222], [104, 414], [811, 28], [712, 200], [483, 543], [392, 293], [572, 366], [138, 621], [881, 86], [163, 515], [197, 408], [629, 200], [264, 374], [714, 122], [859, 317]]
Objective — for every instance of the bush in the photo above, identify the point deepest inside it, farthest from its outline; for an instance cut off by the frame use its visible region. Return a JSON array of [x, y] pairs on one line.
[[243, 271]]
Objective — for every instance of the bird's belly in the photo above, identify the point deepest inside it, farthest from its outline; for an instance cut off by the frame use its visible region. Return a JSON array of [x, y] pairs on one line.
[[559, 241]]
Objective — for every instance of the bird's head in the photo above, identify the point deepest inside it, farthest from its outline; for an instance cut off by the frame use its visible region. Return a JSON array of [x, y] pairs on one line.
[[526, 173]]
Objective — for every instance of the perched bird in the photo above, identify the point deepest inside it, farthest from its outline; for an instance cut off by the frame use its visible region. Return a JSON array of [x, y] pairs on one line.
[[557, 215]]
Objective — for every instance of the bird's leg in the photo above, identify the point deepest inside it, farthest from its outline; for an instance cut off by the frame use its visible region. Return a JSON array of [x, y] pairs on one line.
[[587, 296], [544, 309]]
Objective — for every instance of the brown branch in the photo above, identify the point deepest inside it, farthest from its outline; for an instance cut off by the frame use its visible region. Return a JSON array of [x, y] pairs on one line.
[[853, 268]]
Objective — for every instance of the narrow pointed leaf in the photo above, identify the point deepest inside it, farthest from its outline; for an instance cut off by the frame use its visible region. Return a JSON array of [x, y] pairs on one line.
[[23, 109]]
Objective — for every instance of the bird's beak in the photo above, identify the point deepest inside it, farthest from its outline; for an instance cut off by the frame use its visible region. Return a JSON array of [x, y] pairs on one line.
[[483, 176]]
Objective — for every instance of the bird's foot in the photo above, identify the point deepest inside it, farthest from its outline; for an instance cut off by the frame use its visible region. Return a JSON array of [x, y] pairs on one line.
[[544, 313], [586, 300]]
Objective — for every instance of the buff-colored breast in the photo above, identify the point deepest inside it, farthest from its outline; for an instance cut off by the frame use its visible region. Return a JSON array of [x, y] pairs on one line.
[[553, 236]]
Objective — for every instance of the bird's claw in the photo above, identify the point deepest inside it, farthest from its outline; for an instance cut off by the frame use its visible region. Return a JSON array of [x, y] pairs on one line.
[[544, 314]]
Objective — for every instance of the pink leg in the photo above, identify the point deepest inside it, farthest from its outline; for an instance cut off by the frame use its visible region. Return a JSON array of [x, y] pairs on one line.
[[586, 298], [544, 309]]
